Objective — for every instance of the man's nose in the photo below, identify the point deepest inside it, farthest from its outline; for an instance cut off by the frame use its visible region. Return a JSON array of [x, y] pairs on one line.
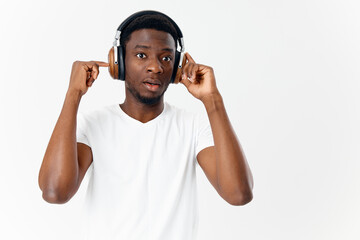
[[154, 66]]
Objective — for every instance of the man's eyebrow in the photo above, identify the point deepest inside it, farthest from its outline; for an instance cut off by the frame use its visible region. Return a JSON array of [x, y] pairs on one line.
[[142, 46], [148, 47], [167, 49]]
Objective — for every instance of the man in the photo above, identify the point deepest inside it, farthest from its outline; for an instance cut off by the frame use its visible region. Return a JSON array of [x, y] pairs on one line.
[[143, 152]]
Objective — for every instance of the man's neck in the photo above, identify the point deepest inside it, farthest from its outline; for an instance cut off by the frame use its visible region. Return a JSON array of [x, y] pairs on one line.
[[142, 112]]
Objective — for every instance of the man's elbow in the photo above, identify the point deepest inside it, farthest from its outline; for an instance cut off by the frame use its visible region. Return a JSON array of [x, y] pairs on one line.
[[55, 197], [242, 199]]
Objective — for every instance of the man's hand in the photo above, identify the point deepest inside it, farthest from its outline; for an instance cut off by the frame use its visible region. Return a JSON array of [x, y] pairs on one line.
[[83, 74], [198, 79]]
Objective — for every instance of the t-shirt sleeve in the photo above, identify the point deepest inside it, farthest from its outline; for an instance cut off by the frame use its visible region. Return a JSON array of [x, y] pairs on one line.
[[81, 129], [205, 137]]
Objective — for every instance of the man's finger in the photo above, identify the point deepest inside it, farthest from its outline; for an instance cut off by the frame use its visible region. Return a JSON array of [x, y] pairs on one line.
[[189, 58], [95, 74], [194, 70], [90, 81], [102, 64], [185, 81], [95, 71]]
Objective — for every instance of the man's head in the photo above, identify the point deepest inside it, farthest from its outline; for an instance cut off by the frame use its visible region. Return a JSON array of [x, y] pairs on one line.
[[157, 22], [149, 44]]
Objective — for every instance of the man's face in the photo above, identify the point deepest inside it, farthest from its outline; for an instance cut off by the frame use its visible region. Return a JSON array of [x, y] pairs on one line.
[[149, 62]]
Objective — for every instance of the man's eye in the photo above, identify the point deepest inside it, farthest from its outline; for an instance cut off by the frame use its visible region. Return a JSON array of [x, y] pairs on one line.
[[140, 55], [167, 59]]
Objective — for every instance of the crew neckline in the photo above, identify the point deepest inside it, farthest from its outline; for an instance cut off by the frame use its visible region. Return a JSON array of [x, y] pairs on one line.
[[132, 120]]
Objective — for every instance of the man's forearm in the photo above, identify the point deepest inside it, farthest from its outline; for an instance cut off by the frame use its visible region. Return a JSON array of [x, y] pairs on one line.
[[59, 171], [233, 173]]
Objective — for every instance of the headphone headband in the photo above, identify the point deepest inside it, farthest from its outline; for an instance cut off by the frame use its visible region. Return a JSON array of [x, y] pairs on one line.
[[148, 12], [132, 17]]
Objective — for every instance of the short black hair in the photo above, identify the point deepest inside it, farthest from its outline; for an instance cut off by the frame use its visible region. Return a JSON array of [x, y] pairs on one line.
[[153, 21]]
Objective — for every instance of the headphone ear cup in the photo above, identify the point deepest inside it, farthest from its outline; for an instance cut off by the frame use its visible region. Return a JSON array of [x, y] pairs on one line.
[[121, 67], [175, 74], [113, 68]]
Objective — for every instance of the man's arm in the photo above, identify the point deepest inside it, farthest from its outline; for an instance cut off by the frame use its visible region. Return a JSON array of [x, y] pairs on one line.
[[66, 161], [224, 164], [230, 170]]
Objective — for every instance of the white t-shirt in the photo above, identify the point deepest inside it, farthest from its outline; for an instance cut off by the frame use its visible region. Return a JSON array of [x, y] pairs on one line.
[[143, 179]]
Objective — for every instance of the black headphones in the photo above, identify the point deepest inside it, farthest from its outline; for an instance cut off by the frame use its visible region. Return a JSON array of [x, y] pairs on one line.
[[117, 53]]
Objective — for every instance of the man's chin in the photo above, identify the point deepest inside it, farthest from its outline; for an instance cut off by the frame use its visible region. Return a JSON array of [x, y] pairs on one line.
[[149, 100]]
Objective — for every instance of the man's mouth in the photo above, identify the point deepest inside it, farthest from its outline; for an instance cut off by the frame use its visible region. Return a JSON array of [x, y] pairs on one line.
[[152, 84], [152, 81]]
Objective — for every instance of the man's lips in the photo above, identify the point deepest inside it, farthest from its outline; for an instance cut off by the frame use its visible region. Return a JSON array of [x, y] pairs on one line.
[[152, 84], [152, 81]]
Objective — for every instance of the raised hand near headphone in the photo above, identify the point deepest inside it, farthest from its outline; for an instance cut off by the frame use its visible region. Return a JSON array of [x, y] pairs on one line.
[[83, 75], [199, 79]]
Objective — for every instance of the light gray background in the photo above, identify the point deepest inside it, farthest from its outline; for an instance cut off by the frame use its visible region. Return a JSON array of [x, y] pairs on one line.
[[289, 75]]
